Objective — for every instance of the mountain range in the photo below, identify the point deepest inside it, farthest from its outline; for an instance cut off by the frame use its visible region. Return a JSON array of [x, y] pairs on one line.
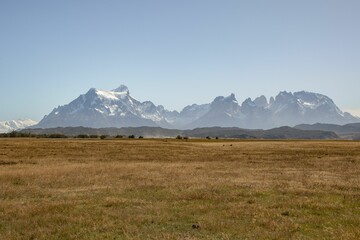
[[117, 108], [8, 126]]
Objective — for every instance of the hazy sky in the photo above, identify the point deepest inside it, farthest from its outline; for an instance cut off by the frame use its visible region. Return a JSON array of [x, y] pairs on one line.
[[176, 52]]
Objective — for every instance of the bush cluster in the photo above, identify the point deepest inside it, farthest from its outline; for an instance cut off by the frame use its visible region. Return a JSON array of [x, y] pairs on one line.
[[180, 137], [15, 134]]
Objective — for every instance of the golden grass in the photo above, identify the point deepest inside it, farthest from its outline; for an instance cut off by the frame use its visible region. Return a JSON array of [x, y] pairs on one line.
[[177, 189]]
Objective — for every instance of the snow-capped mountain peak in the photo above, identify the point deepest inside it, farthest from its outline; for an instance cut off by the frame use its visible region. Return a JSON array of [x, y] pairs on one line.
[[116, 108], [103, 108], [12, 125], [107, 94], [291, 108], [313, 100], [122, 89]]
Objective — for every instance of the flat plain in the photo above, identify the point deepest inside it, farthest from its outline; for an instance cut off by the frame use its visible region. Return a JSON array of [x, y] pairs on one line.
[[179, 189]]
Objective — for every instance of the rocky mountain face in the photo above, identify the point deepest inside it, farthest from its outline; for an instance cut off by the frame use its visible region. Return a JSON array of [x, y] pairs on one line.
[[8, 126], [116, 108], [99, 108], [306, 107]]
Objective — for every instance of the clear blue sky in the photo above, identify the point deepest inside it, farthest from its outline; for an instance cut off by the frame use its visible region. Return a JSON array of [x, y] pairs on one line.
[[175, 52]]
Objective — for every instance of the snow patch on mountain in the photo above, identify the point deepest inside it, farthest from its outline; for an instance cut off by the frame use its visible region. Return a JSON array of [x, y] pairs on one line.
[[12, 125]]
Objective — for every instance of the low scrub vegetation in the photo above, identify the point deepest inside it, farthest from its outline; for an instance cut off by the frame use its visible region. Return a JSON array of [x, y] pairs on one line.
[[15, 134]]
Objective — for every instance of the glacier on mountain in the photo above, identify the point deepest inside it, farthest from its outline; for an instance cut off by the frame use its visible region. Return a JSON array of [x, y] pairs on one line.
[[12, 125]]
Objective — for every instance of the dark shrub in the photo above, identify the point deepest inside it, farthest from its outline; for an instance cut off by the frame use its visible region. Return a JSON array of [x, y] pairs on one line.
[[13, 134], [82, 136]]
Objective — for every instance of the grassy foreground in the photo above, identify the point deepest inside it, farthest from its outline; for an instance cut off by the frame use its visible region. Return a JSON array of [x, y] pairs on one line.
[[177, 189]]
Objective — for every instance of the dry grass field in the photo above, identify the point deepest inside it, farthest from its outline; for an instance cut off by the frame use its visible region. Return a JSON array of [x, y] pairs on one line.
[[178, 189]]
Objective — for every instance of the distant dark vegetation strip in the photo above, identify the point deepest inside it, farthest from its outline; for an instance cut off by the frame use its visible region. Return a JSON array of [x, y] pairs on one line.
[[157, 132]]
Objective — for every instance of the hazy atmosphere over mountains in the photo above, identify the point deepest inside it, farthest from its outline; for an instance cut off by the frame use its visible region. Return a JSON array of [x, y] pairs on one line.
[[177, 53], [116, 108]]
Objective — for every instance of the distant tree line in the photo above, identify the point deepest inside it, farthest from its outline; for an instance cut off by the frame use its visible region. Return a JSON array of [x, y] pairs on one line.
[[15, 134]]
